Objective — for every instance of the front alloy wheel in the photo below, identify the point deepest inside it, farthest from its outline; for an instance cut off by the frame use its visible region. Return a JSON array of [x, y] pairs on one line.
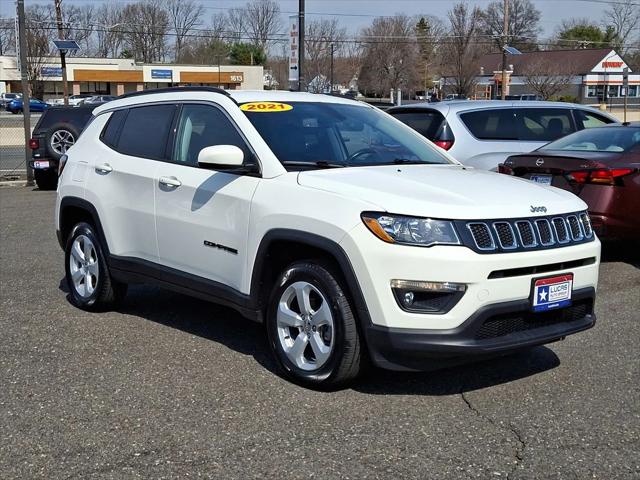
[[311, 327], [305, 326]]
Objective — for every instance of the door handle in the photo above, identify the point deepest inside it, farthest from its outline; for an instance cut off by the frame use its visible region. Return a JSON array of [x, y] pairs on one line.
[[171, 182], [104, 168]]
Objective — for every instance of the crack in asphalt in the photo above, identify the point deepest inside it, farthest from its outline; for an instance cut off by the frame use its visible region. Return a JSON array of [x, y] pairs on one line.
[[521, 445]]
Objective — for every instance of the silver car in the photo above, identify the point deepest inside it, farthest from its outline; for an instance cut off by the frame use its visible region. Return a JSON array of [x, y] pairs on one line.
[[484, 133]]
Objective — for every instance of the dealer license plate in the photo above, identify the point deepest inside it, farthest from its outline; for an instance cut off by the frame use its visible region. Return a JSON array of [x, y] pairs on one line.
[[39, 164], [552, 292], [543, 179]]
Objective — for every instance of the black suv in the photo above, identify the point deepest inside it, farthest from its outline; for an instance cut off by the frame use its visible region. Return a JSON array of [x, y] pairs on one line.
[[56, 131]]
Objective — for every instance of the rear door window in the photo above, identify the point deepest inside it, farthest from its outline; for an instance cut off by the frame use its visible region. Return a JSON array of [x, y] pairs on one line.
[[146, 131], [491, 124], [426, 122], [589, 119], [544, 124]]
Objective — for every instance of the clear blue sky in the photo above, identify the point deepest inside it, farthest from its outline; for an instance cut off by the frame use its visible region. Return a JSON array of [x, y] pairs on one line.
[[553, 11]]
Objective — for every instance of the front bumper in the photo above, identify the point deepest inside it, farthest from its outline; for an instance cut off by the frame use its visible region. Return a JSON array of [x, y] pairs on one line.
[[493, 330]]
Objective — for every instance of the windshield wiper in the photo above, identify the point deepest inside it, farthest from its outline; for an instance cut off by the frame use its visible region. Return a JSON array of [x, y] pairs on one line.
[[318, 163], [406, 161]]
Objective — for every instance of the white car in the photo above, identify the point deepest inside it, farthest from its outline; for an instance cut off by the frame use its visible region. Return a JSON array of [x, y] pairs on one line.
[[350, 235], [74, 100]]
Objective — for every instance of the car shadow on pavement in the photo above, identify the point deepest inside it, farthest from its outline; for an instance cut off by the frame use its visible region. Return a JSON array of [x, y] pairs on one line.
[[466, 377], [227, 327], [621, 252]]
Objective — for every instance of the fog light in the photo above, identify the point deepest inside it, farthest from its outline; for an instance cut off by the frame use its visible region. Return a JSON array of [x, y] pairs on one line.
[[408, 298], [427, 297]]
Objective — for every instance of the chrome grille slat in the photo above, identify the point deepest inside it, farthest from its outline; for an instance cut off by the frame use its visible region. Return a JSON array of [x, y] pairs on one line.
[[481, 235], [574, 228], [560, 227], [505, 234], [544, 232], [525, 232], [586, 225]]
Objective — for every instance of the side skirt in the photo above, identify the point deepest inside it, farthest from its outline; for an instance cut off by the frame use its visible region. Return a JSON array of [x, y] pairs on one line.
[[135, 270]]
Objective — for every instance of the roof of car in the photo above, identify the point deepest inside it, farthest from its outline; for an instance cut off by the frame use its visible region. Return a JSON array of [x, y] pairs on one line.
[[461, 105], [239, 96]]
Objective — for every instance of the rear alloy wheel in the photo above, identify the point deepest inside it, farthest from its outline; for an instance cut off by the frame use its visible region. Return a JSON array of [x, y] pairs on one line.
[[312, 329], [90, 284]]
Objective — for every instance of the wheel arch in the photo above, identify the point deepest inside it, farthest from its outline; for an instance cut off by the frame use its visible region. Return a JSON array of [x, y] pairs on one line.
[[74, 210], [279, 247]]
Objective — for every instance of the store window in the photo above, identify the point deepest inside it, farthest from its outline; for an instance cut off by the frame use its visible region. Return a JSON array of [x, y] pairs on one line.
[[613, 91]]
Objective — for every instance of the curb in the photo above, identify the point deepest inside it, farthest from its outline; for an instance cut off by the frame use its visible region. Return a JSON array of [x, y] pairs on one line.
[[13, 183]]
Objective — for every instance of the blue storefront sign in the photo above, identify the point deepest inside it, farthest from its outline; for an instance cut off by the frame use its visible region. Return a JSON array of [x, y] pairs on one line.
[[51, 72], [161, 74]]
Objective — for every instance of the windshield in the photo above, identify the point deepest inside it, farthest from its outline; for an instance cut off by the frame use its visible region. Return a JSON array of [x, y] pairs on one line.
[[316, 135], [608, 139]]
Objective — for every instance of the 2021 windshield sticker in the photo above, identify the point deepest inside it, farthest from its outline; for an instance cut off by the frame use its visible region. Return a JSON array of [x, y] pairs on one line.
[[265, 107]]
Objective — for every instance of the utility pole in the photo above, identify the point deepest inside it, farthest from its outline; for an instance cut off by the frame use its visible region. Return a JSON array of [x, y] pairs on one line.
[[505, 34], [63, 52], [331, 85], [301, 45], [26, 114]]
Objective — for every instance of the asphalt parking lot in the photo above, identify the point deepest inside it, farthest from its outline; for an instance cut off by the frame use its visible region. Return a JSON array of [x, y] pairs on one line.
[[173, 387]]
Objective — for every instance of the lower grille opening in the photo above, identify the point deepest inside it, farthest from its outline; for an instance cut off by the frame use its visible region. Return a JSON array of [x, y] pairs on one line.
[[507, 323], [550, 267]]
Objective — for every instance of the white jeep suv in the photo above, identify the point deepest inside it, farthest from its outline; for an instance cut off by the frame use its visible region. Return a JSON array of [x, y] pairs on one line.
[[351, 236]]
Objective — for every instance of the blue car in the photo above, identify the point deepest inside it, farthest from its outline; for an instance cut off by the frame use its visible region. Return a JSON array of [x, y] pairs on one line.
[[35, 105]]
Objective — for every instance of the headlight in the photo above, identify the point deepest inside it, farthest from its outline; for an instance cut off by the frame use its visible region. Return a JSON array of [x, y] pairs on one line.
[[411, 230]]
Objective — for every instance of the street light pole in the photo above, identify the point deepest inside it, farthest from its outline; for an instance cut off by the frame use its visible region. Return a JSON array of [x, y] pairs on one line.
[[505, 33], [63, 52], [300, 45], [26, 114], [331, 85]]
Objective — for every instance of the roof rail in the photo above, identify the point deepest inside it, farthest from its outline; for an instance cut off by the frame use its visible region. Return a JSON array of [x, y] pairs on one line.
[[176, 89]]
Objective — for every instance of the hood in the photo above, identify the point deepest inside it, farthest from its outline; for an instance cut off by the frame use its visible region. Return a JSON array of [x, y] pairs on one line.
[[443, 191]]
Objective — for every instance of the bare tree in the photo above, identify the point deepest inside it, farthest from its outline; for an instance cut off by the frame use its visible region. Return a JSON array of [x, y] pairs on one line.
[[109, 37], [146, 25], [184, 15], [547, 78], [624, 17], [39, 37], [78, 25], [391, 54], [429, 32], [524, 23], [262, 21], [321, 37], [236, 23], [462, 48], [7, 36]]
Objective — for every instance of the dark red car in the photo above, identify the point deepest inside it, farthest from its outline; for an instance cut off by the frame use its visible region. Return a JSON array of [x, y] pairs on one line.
[[601, 165]]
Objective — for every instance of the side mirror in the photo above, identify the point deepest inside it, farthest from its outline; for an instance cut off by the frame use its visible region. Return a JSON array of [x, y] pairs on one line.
[[221, 156]]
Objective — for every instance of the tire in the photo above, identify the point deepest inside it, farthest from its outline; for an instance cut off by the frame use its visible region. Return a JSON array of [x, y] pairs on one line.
[[59, 138], [324, 352], [46, 179], [92, 289]]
